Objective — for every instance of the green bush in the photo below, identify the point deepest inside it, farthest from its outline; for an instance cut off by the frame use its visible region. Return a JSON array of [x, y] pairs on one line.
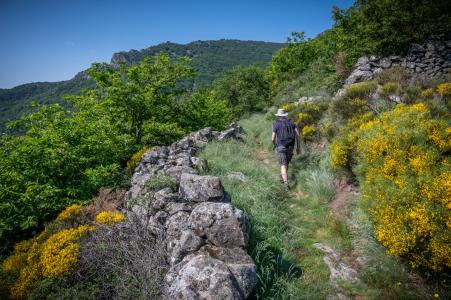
[[394, 74], [344, 108], [413, 93], [245, 89], [160, 182], [204, 109], [390, 88], [360, 90]]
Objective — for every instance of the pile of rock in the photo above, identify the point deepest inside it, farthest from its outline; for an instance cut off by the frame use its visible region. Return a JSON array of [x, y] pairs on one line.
[[432, 58], [205, 236]]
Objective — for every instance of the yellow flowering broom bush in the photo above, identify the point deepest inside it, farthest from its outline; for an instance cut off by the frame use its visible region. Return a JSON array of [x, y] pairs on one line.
[[444, 90], [402, 162], [110, 217], [44, 256], [135, 159], [70, 212], [306, 116]]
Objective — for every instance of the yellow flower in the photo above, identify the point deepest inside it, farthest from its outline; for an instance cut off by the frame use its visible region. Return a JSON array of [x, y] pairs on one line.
[[444, 89], [68, 212], [135, 159], [107, 217], [59, 252]]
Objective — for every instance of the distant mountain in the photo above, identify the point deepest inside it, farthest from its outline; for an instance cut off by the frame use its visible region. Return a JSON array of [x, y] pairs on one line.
[[209, 58]]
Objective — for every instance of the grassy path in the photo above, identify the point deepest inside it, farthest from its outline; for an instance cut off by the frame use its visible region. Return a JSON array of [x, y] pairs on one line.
[[287, 226]]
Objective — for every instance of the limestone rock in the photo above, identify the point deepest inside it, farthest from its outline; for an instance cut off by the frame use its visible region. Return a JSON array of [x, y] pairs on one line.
[[187, 243], [202, 277], [200, 188], [177, 171], [204, 217], [240, 264], [234, 131], [358, 76]]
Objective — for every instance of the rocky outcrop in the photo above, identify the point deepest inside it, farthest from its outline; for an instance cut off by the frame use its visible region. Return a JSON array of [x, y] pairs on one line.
[[205, 236], [432, 58]]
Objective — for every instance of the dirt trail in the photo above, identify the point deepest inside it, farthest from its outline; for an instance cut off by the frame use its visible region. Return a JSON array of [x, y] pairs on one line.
[[342, 266], [344, 194]]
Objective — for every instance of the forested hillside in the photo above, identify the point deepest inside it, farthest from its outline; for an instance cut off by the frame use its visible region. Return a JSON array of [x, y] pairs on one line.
[[367, 213], [209, 59]]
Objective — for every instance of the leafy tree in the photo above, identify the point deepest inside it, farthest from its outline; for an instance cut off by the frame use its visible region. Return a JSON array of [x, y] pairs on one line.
[[245, 88], [203, 109], [388, 27], [143, 93], [61, 157]]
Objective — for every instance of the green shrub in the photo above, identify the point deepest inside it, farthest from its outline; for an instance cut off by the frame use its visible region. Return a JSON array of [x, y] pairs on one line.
[[160, 182], [426, 94], [395, 74], [412, 94], [360, 90], [390, 88], [344, 108]]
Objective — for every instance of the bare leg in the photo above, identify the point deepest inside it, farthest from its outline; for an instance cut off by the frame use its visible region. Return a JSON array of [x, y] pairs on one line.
[[284, 172]]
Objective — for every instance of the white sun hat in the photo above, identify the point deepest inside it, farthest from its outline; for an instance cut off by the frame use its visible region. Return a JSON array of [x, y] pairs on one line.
[[281, 113]]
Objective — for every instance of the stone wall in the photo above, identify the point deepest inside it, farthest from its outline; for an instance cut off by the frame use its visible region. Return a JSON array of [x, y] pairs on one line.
[[432, 58], [205, 236]]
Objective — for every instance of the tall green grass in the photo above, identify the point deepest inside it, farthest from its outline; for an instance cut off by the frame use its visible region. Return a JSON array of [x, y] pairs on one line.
[[264, 201], [284, 226]]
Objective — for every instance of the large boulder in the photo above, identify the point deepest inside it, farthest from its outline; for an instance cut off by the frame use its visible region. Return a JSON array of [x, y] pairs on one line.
[[176, 172], [202, 277], [177, 223], [187, 243], [225, 225], [200, 188], [240, 264], [358, 76], [234, 131]]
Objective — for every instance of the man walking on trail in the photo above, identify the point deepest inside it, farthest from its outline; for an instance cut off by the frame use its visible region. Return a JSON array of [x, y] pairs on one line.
[[284, 137]]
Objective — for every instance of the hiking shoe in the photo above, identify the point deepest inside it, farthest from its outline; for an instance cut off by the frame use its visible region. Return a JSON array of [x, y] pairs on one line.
[[285, 184]]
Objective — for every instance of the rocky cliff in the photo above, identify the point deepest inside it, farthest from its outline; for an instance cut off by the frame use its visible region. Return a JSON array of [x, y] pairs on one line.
[[205, 236]]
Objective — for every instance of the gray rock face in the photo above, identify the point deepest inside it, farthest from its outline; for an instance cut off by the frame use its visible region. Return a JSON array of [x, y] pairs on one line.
[[203, 277], [201, 188], [205, 217], [177, 171], [235, 131], [205, 237], [358, 75], [187, 243]]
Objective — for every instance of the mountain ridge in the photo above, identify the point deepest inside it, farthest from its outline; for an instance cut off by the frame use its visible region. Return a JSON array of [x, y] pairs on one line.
[[210, 59]]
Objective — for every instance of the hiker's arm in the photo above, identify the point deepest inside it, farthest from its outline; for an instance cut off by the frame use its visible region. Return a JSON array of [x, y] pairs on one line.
[[298, 141], [273, 139]]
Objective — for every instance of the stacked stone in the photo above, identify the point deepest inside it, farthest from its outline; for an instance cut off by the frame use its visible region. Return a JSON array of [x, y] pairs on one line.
[[205, 236], [433, 58]]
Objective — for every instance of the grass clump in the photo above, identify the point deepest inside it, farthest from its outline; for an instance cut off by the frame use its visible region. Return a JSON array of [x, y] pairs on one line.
[[160, 182], [262, 198]]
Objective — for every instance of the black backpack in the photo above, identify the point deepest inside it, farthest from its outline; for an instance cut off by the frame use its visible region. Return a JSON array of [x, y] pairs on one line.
[[286, 135]]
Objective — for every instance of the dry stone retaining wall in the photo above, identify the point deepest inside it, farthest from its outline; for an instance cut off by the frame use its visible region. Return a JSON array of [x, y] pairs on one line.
[[205, 236], [432, 58]]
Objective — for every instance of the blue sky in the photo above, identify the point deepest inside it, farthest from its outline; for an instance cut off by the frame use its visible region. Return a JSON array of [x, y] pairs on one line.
[[53, 40]]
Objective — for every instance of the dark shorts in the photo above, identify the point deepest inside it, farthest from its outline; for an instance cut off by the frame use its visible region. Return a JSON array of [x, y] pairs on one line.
[[284, 155]]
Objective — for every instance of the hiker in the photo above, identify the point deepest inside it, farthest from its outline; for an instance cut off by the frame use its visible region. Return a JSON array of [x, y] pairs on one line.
[[284, 137]]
